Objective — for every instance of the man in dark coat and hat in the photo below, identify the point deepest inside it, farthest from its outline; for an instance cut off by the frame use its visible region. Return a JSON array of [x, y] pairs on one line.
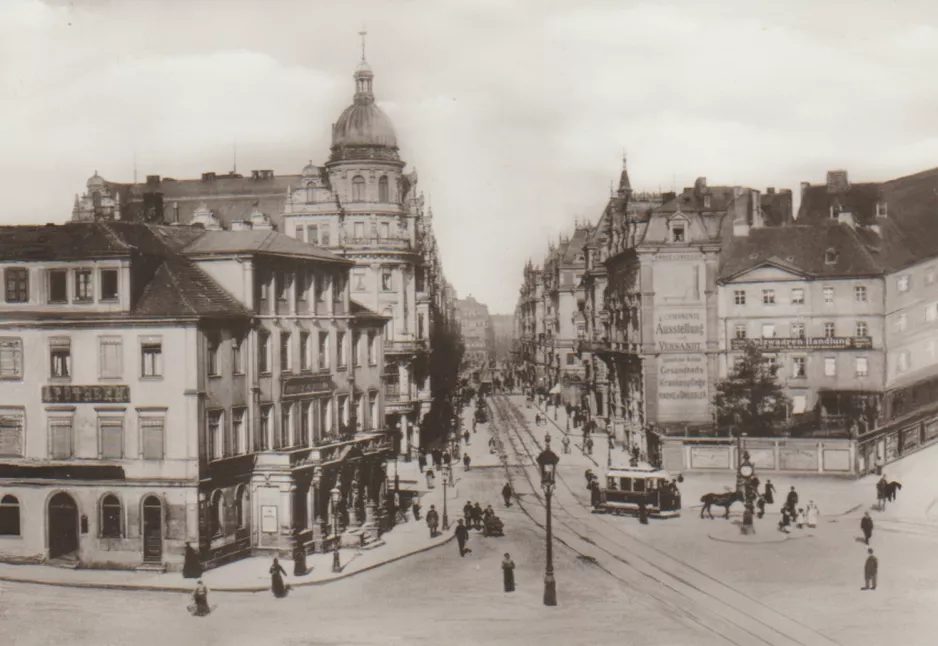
[[191, 568], [477, 515], [870, 570], [866, 524], [462, 537], [506, 494]]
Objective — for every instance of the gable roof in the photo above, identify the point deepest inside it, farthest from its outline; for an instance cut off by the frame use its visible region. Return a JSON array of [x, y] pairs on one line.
[[255, 241]]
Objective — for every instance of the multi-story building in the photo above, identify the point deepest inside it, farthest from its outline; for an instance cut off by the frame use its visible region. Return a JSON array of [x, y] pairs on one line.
[[361, 205], [530, 328], [164, 385], [503, 331], [475, 325]]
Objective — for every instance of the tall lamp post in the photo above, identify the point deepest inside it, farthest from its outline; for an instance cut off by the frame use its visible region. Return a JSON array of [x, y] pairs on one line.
[[446, 478], [335, 493], [547, 461]]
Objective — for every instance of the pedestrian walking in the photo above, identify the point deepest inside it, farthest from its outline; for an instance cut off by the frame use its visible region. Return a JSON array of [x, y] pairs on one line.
[[422, 460], [462, 537], [433, 520], [769, 493], [506, 494], [467, 513], [566, 444], [537, 419], [430, 478], [299, 554], [276, 579], [437, 458], [870, 570], [588, 445], [596, 499], [881, 492], [866, 524], [191, 568], [477, 514], [589, 478], [791, 501], [811, 514], [465, 437], [785, 521], [760, 504], [508, 573], [466, 460], [642, 512], [416, 509]]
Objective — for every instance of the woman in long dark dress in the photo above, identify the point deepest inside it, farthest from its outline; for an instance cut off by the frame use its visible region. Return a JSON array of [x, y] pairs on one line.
[[276, 580], [191, 568], [508, 573]]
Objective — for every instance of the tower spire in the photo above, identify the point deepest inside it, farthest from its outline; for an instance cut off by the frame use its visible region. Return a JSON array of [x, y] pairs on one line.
[[363, 33], [363, 77]]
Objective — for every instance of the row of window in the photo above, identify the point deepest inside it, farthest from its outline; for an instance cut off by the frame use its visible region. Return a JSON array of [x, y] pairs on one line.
[[110, 357], [57, 281], [283, 282], [110, 525], [797, 330], [286, 352], [61, 434], [796, 297], [799, 366]]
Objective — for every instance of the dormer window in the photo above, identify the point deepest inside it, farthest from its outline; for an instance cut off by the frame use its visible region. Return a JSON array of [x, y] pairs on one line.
[[830, 257], [881, 210], [677, 232], [706, 201]]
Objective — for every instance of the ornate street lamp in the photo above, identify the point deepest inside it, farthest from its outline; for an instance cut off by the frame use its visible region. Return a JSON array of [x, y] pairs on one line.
[[446, 478], [547, 461], [335, 494]]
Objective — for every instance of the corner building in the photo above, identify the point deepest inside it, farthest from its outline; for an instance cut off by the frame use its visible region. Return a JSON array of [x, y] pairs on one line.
[[164, 385]]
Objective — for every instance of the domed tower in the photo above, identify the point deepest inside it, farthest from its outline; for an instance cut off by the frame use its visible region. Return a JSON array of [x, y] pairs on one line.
[[363, 131]]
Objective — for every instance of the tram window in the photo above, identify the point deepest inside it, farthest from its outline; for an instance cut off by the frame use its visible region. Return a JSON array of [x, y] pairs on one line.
[[653, 484], [611, 483], [638, 485], [626, 484]]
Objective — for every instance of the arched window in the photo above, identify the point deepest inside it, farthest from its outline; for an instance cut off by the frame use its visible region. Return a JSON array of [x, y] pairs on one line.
[[110, 517], [358, 189], [383, 189], [241, 500], [216, 514], [9, 516]]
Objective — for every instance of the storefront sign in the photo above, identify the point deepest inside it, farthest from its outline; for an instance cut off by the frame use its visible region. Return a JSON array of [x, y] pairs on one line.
[[680, 330], [307, 385], [683, 393], [86, 394], [269, 519], [811, 343]]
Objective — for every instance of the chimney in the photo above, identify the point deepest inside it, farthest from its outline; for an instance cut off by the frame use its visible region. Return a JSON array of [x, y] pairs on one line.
[[208, 177], [255, 174], [153, 180], [804, 189], [700, 186], [837, 181], [756, 220], [770, 190]]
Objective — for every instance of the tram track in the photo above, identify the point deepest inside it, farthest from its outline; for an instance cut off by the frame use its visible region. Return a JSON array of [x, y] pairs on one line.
[[677, 584]]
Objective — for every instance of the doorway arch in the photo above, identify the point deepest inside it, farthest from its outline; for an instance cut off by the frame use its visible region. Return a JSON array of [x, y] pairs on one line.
[[63, 526], [152, 530]]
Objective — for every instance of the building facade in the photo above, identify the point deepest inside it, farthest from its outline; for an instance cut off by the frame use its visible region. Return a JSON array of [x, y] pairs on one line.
[[165, 385], [361, 205], [478, 335]]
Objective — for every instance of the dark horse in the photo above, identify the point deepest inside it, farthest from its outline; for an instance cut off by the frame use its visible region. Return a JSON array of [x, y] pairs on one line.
[[891, 489], [724, 500]]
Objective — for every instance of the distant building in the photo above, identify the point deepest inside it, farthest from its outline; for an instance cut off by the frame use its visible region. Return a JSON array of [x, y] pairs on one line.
[[477, 333], [164, 385], [503, 332]]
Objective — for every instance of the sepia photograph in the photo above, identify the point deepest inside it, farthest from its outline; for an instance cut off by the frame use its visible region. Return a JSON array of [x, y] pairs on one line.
[[465, 322]]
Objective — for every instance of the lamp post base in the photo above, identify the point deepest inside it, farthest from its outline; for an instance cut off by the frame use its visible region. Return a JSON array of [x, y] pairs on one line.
[[550, 590], [336, 563]]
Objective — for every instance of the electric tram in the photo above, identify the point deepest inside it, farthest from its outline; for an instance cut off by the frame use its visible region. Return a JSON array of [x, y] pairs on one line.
[[626, 488]]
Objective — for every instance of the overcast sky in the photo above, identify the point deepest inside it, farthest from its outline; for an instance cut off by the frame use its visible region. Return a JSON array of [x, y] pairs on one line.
[[515, 113]]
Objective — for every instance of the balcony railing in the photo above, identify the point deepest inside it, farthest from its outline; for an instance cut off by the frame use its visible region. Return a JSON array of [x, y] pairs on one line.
[[378, 243]]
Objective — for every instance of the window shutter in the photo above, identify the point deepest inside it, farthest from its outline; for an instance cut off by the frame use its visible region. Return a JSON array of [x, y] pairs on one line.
[[61, 431], [12, 425], [11, 358], [152, 438], [112, 439]]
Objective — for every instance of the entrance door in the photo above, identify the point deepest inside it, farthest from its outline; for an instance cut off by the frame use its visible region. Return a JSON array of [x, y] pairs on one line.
[[152, 530], [63, 526]]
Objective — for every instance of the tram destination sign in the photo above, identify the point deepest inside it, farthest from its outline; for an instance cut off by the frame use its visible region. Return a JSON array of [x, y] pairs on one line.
[[809, 343], [68, 394]]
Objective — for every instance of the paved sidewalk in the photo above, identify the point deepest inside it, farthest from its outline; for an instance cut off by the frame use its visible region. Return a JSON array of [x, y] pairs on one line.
[[251, 574]]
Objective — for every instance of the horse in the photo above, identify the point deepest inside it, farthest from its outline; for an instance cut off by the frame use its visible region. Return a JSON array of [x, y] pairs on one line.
[[724, 500], [891, 489]]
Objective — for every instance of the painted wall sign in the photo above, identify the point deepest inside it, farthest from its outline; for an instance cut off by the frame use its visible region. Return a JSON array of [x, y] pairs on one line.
[[683, 393], [269, 519], [811, 343], [86, 394], [307, 385]]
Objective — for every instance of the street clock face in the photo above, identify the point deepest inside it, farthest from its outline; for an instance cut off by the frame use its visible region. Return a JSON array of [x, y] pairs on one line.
[[745, 470]]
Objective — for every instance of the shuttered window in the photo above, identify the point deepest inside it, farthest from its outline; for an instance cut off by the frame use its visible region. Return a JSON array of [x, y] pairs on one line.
[[11, 358], [111, 436], [60, 437], [111, 357], [12, 431], [151, 436]]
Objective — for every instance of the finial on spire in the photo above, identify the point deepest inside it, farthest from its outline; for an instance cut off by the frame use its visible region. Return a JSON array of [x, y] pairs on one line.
[[363, 33], [624, 159]]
